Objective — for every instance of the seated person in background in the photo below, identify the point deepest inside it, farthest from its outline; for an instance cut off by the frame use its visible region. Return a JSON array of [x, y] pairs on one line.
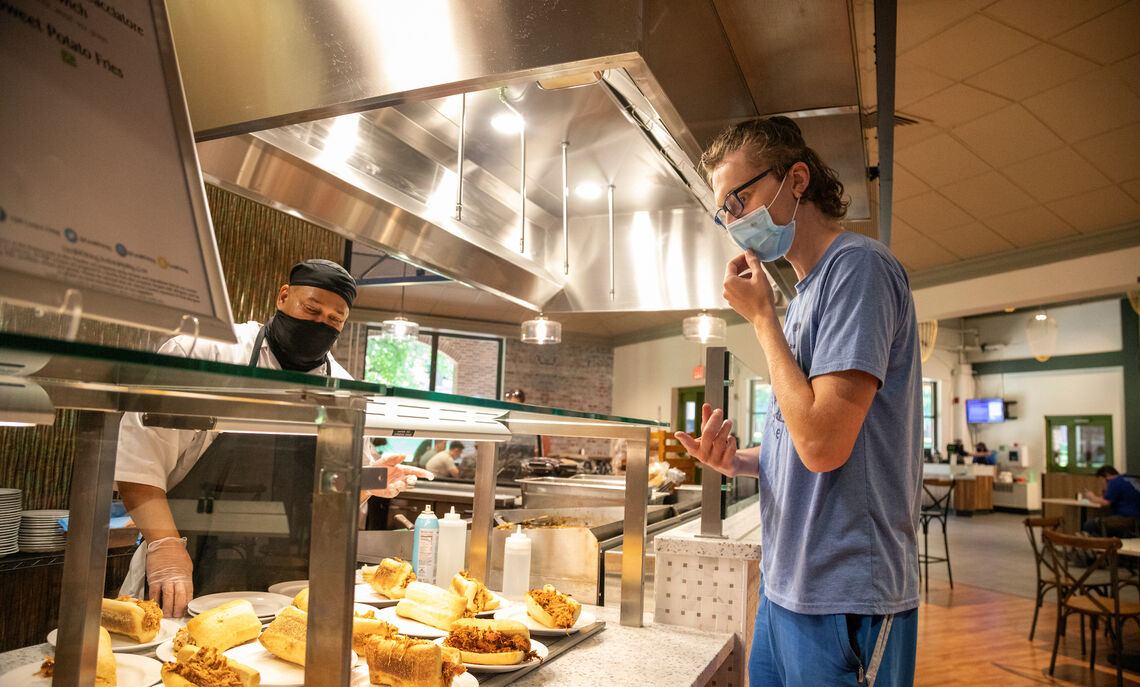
[[983, 455], [1123, 501], [443, 464]]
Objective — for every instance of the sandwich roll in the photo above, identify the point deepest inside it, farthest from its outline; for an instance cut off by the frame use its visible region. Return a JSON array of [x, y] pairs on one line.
[[399, 661], [106, 671], [222, 628], [301, 601], [431, 605], [490, 642], [478, 597], [207, 668], [285, 636], [140, 620], [392, 577], [364, 627], [366, 572], [552, 608]]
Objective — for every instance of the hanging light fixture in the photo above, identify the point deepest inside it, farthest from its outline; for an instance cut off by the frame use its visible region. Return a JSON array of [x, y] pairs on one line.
[[1041, 334], [704, 328], [400, 327], [541, 331]]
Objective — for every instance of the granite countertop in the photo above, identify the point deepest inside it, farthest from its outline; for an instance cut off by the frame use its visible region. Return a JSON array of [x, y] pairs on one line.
[[741, 531]]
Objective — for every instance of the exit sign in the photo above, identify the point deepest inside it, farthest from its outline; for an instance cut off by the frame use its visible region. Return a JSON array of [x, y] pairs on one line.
[[699, 372]]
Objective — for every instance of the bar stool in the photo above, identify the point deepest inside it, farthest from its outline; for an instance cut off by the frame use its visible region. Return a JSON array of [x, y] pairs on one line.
[[935, 507]]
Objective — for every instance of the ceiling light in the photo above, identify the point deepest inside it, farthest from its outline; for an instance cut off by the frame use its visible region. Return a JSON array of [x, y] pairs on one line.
[[400, 327], [704, 328], [23, 403], [1041, 335], [507, 123], [588, 190], [541, 331]]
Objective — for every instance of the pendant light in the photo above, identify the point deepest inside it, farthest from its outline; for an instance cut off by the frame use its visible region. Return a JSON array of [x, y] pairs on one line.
[[541, 331], [400, 327], [704, 328], [1041, 335]]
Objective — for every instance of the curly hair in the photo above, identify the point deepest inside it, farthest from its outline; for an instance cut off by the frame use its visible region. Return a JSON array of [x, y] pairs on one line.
[[778, 142]]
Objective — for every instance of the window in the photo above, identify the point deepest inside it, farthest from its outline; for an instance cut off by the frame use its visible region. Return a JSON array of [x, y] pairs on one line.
[[1078, 443], [465, 364], [760, 395], [929, 414]]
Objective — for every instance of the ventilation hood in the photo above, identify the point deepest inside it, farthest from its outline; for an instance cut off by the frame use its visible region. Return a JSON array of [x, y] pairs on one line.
[[354, 115]]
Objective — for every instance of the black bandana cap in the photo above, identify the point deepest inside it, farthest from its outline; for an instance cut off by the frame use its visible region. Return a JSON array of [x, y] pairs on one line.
[[324, 274]]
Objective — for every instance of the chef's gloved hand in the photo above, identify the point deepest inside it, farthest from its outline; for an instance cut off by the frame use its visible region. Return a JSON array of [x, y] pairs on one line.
[[400, 475], [169, 574]]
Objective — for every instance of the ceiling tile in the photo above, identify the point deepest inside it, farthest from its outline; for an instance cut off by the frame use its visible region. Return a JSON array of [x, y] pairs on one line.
[[941, 160], [1110, 37], [956, 104], [1007, 136], [1030, 226], [987, 195], [907, 136], [1116, 153], [1047, 18], [1086, 107], [913, 82], [1059, 174], [1128, 71], [920, 252], [1040, 68], [972, 240], [1132, 188], [988, 44], [930, 212], [921, 19], [1097, 210], [906, 184]]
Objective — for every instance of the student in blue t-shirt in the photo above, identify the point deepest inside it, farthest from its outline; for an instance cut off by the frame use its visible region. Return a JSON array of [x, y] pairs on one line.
[[840, 466], [1123, 501]]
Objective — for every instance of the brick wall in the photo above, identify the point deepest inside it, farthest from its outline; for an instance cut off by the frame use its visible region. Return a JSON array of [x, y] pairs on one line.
[[476, 365], [566, 375]]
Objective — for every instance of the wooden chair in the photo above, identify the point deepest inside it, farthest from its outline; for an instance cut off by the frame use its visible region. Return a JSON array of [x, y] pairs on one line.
[[1046, 574], [672, 452], [1077, 593], [935, 507]]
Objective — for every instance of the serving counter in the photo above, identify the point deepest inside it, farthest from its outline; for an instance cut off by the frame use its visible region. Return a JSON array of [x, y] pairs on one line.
[[188, 394]]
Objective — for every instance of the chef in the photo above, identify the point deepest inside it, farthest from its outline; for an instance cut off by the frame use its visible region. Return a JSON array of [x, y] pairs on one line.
[[155, 466]]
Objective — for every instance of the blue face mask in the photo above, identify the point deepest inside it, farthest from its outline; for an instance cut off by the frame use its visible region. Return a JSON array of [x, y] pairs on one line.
[[757, 232]]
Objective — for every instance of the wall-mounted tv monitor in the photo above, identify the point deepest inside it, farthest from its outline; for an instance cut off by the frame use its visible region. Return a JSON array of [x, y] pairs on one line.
[[985, 410]]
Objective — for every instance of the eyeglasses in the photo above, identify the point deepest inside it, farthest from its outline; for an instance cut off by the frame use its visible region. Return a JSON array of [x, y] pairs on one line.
[[732, 203]]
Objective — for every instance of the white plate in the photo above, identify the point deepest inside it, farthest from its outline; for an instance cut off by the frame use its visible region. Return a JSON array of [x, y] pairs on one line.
[[275, 672], [360, 678], [289, 588], [535, 646], [407, 626], [165, 651], [365, 594], [504, 603], [166, 630], [132, 670], [585, 619], [265, 604]]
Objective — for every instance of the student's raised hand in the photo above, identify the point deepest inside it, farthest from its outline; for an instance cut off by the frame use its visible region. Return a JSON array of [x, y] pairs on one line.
[[716, 446]]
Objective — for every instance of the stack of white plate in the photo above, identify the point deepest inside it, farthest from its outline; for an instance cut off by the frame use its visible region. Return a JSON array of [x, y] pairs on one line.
[[40, 531], [9, 521]]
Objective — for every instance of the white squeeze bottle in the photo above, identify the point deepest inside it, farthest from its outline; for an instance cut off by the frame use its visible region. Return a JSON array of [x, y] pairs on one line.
[[452, 547], [425, 540], [516, 565]]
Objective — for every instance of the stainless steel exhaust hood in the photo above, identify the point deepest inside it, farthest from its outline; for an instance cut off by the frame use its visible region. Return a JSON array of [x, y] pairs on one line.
[[347, 113]]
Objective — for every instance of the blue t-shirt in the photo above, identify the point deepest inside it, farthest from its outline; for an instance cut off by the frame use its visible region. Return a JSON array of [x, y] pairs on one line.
[[845, 541], [1123, 498]]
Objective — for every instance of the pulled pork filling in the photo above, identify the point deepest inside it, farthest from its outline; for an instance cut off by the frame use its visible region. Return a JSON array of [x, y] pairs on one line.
[[207, 668], [555, 604], [47, 668], [450, 670], [488, 642], [152, 614]]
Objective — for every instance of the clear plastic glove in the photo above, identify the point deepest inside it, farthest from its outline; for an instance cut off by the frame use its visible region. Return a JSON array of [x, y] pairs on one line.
[[169, 574], [400, 475]]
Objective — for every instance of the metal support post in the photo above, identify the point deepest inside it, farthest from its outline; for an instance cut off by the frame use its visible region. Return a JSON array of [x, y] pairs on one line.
[[633, 536], [85, 562], [332, 554], [483, 511], [716, 395]]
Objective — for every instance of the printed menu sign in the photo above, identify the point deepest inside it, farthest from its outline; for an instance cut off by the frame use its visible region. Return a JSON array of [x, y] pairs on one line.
[[99, 185]]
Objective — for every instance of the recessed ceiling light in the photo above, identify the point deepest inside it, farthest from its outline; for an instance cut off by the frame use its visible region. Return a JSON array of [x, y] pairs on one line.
[[588, 190], [507, 123]]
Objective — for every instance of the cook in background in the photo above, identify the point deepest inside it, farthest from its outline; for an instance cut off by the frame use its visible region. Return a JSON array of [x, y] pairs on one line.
[[442, 464], [154, 464], [840, 464]]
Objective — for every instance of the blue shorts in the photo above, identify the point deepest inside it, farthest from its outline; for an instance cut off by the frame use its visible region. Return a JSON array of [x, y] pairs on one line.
[[796, 650]]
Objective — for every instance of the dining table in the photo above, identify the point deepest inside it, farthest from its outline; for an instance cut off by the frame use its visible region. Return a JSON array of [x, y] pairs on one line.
[[1082, 504]]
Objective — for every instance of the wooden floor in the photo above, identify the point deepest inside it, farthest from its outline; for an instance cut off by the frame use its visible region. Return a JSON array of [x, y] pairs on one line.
[[973, 637]]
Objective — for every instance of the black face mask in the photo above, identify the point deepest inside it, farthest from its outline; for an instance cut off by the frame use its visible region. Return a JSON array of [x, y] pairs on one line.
[[299, 344]]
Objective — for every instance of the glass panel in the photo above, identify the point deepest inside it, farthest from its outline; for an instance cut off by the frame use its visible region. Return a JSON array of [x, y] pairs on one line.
[[467, 366], [690, 416], [761, 397], [1091, 449], [399, 362], [1061, 445]]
